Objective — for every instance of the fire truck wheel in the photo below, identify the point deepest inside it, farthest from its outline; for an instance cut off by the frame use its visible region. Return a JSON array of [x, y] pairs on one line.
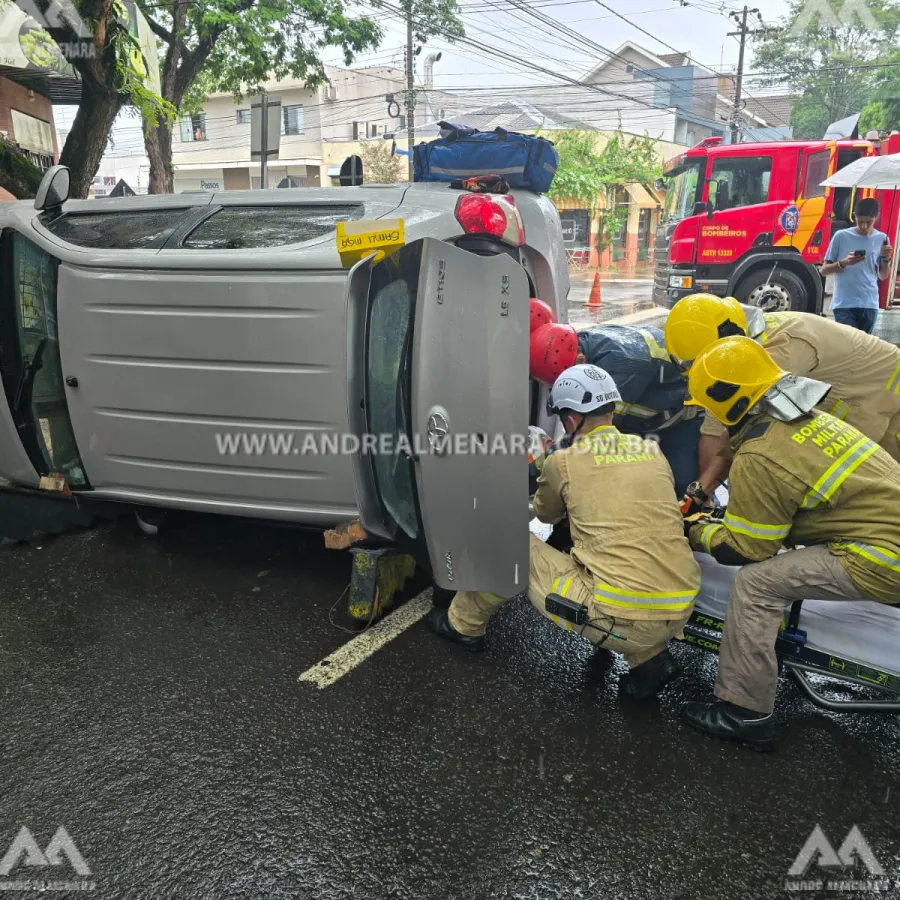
[[783, 291]]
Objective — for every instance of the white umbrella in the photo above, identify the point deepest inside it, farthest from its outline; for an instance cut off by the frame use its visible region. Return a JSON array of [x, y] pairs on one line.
[[881, 172]]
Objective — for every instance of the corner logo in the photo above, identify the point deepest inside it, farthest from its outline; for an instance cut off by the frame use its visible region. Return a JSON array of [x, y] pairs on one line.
[[60, 14], [25, 853], [853, 853], [829, 17]]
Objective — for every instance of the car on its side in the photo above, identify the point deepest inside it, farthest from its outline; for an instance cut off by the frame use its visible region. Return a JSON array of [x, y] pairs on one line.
[[189, 352]]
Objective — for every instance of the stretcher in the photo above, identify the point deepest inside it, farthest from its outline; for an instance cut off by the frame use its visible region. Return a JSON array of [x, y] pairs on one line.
[[855, 643], [821, 641]]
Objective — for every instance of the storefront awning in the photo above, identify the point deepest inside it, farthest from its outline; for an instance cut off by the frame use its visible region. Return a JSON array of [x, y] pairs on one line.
[[641, 196]]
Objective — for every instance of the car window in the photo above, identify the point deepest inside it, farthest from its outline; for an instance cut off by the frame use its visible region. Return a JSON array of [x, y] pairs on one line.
[[118, 230], [248, 227], [32, 372], [388, 385], [816, 172], [748, 178]]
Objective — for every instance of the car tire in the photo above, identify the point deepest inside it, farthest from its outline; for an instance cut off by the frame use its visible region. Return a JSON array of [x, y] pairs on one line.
[[149, 521], [781, 292]]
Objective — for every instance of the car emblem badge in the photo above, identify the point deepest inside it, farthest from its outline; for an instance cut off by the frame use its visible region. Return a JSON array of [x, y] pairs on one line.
[[438, 431]]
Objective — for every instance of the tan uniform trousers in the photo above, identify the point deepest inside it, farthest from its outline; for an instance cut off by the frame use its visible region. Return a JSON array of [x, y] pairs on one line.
[[470, 611], [748, 666]]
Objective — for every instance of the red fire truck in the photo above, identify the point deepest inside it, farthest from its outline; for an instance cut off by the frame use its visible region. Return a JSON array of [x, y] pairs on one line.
[[752, 221]]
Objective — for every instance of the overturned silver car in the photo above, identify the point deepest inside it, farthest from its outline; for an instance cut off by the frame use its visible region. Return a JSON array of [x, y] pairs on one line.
[[190, 352]]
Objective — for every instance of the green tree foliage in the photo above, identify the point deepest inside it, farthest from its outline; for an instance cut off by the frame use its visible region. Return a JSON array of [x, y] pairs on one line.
[[379, 165], [95, 40], [816, 53], [883, 112], [239, 45], [430, 18], [592, 177]]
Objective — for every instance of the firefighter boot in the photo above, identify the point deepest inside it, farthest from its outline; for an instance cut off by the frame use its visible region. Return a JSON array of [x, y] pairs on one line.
[[649, 678], [439, 622], [732, 723]]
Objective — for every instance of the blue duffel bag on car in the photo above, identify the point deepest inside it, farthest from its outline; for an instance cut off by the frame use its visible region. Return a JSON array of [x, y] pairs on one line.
[[521, 160]]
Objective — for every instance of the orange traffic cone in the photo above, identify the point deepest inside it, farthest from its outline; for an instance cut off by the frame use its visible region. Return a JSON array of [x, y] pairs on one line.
[[595, 299]]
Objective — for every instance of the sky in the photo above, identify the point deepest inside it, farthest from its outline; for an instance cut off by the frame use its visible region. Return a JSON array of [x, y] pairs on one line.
[[507, 38]]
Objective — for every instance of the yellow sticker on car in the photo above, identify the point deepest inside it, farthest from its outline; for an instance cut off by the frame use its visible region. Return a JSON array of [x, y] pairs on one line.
[[357, 240]]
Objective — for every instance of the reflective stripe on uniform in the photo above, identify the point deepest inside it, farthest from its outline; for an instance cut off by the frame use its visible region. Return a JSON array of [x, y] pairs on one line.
[[561, 586], [656, 351], [893, 384], [877, 555], [634, 409], [676, 601], [758, 530], [706, 536], [840, 410], [838, 472], [492, 599]]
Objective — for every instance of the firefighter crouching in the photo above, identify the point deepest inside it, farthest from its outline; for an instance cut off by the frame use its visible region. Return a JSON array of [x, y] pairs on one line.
[[863, 371], [631, 576], [802, 478]]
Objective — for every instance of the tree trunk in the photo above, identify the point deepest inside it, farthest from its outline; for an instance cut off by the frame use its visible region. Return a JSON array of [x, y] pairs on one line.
[[86, 142], [158, 142]]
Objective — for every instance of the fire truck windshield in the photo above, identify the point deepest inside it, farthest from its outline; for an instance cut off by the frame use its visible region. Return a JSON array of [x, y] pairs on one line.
[[682, 192]]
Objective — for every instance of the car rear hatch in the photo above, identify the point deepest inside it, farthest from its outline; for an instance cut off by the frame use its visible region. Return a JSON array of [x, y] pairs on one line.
[[443, 380]]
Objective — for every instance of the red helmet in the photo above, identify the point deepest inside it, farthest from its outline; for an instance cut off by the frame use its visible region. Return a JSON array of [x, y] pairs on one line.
[[541, 314], [554, 348]]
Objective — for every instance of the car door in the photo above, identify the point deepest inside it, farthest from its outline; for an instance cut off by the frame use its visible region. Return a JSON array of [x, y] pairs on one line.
[[447, 369]]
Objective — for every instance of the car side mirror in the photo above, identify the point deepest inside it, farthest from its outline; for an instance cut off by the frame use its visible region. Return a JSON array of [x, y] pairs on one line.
[[661, 184], [54, 189]]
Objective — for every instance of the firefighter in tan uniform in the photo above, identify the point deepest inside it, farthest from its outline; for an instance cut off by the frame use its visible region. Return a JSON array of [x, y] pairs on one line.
[[631, 578], [863, 371], [800, 478]]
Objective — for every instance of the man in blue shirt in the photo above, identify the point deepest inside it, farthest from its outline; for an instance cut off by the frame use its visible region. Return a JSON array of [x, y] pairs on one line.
[[858, 258]]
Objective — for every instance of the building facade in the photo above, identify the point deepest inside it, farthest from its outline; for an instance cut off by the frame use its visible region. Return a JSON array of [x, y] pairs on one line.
[[211, 150], [26, 119]]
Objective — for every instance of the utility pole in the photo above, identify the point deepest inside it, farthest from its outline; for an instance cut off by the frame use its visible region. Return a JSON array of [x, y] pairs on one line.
[[743, 34], [410, 89], [264, 156]]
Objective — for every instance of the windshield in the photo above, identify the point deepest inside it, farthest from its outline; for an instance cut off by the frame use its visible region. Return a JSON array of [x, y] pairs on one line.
[[682, 192], [388, 390], [29, 354]]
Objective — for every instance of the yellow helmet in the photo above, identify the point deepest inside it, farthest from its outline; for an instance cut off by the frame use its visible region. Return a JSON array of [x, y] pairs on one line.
[[697, 321], [730, 376]]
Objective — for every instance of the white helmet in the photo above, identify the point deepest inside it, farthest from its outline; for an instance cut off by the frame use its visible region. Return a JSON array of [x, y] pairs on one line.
[[582, 389]]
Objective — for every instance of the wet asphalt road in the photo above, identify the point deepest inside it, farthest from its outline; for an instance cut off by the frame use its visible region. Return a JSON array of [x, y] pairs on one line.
[[150, 705]]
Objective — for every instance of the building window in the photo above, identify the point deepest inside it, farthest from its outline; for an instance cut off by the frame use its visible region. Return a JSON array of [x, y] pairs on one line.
[[292, 119], [193, 128], [576, 228], [243, 117]]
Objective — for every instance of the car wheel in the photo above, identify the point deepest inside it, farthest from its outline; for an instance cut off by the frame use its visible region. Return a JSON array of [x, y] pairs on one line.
[[149, 521], [781, 292]]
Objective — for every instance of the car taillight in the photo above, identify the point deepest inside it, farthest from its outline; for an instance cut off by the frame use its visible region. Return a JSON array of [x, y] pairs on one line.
[[491, 214]]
